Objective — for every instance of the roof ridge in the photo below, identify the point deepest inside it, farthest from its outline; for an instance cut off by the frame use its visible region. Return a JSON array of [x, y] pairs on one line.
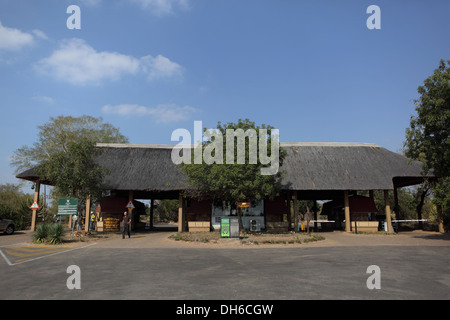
[[283, 144]]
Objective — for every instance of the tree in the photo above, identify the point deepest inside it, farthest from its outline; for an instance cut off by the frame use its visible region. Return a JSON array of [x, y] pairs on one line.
[[56, 135], [167, 210], [14, 205], [242, 179], [428, 137], [65, 154]]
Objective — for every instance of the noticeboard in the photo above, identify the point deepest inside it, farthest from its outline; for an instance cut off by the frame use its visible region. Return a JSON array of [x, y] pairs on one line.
[[225, 228], [244, 204], [68, 206]]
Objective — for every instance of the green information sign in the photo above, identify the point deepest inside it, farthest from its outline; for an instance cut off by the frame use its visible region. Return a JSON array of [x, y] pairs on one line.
[[67, 206], [225, 227]]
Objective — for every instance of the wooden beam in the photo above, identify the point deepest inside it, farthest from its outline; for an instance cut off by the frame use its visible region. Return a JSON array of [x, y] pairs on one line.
[[347, 212], [295, 211], [87, 219], [130, 210], [35, 198], [388, 211], [289, 216], [181, 214]]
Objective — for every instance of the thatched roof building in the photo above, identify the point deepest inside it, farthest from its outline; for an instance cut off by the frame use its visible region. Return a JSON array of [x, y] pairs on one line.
[[317, 169], [312, 171]]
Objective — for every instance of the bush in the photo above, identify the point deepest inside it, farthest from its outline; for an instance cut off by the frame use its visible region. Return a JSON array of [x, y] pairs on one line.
[[55, 233], [51, 233], [41, 233]]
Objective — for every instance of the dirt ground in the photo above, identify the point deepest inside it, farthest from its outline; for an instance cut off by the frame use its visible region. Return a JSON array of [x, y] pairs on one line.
[[173, 239]]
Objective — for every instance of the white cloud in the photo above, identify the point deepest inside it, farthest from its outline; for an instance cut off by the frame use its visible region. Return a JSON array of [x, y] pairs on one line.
[[164, 113], [160, 67], [40, 34], [78, 63], [14, 39]]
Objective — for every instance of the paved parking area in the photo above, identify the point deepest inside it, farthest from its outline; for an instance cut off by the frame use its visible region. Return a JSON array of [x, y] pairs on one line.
[[413, 265]]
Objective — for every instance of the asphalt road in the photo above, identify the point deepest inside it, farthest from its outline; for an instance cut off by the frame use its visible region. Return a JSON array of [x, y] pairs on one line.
[[412, 272]]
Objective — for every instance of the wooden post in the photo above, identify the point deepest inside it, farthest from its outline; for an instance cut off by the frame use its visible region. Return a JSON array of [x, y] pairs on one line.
[[87, 219], [295, 211], [347, 212], [35, 198], [289, 217], [181, 214], [130, 210], [388, 211]]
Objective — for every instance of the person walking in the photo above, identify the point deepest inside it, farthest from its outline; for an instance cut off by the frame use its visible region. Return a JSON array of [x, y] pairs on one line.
[[126, 221]]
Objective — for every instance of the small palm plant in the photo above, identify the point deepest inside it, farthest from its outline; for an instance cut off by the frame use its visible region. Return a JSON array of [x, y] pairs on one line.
[[55, 233], [51, 233], [41, 233]]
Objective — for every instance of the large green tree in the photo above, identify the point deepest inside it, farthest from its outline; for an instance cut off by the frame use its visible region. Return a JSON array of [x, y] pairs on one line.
[[243, 178], [14, 204], [428, 137], [57, 134], [64, 154]]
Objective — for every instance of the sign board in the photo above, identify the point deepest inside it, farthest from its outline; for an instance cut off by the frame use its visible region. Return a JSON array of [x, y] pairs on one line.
[[243, 204], [130, 205], [34, 206], [68, 206], [234, 228], [225, 228]]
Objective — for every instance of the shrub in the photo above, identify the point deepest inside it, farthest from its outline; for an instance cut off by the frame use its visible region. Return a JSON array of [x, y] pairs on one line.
[[51, 233], [55, 233], [41, 233]]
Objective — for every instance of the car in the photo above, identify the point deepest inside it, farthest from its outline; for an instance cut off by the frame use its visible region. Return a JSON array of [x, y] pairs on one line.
[[6, 226]]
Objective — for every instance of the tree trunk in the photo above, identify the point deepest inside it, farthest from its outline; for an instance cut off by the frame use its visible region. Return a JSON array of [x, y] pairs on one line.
[[423, 193]]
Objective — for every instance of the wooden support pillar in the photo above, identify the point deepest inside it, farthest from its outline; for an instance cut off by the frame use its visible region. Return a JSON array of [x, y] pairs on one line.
[[289, 217], [37, 189], [347, 212], [295, 210], [87, 218], [181, 214], [388, 211], [130, 210]]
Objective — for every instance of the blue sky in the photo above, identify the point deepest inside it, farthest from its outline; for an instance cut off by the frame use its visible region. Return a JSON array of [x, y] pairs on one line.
[[312, 69]]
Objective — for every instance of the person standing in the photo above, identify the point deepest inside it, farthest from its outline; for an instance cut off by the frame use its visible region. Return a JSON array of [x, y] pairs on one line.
[[126, 221], [91, 227]]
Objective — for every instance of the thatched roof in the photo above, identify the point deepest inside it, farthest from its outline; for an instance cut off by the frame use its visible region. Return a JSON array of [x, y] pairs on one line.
[[347, 166], [308, 167], [140, 167]]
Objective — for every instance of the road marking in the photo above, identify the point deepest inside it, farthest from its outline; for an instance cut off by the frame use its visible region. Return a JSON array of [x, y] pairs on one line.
[[28, 254]]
